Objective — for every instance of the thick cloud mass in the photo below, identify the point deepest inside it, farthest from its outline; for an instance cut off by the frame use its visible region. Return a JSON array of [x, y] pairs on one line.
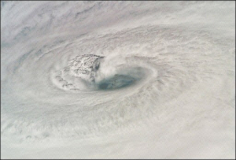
[[118, 79]]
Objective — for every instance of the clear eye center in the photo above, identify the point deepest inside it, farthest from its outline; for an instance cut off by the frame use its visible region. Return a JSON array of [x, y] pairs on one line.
[[116, 82]]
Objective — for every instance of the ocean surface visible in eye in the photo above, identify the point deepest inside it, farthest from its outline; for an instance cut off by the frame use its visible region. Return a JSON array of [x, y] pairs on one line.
[[116, 82], [82, 72]]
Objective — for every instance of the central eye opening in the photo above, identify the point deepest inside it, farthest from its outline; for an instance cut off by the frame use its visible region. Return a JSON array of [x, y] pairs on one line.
[[84, 73], [116, 82]]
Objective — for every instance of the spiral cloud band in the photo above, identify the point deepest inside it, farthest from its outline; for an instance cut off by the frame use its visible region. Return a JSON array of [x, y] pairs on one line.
[[118, 79]]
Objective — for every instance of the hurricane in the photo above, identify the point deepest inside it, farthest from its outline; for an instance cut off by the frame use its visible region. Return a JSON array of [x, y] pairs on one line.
[[117, 79]]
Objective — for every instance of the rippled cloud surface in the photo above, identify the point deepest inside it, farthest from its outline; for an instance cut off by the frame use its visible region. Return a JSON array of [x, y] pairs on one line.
[[118, 79]]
